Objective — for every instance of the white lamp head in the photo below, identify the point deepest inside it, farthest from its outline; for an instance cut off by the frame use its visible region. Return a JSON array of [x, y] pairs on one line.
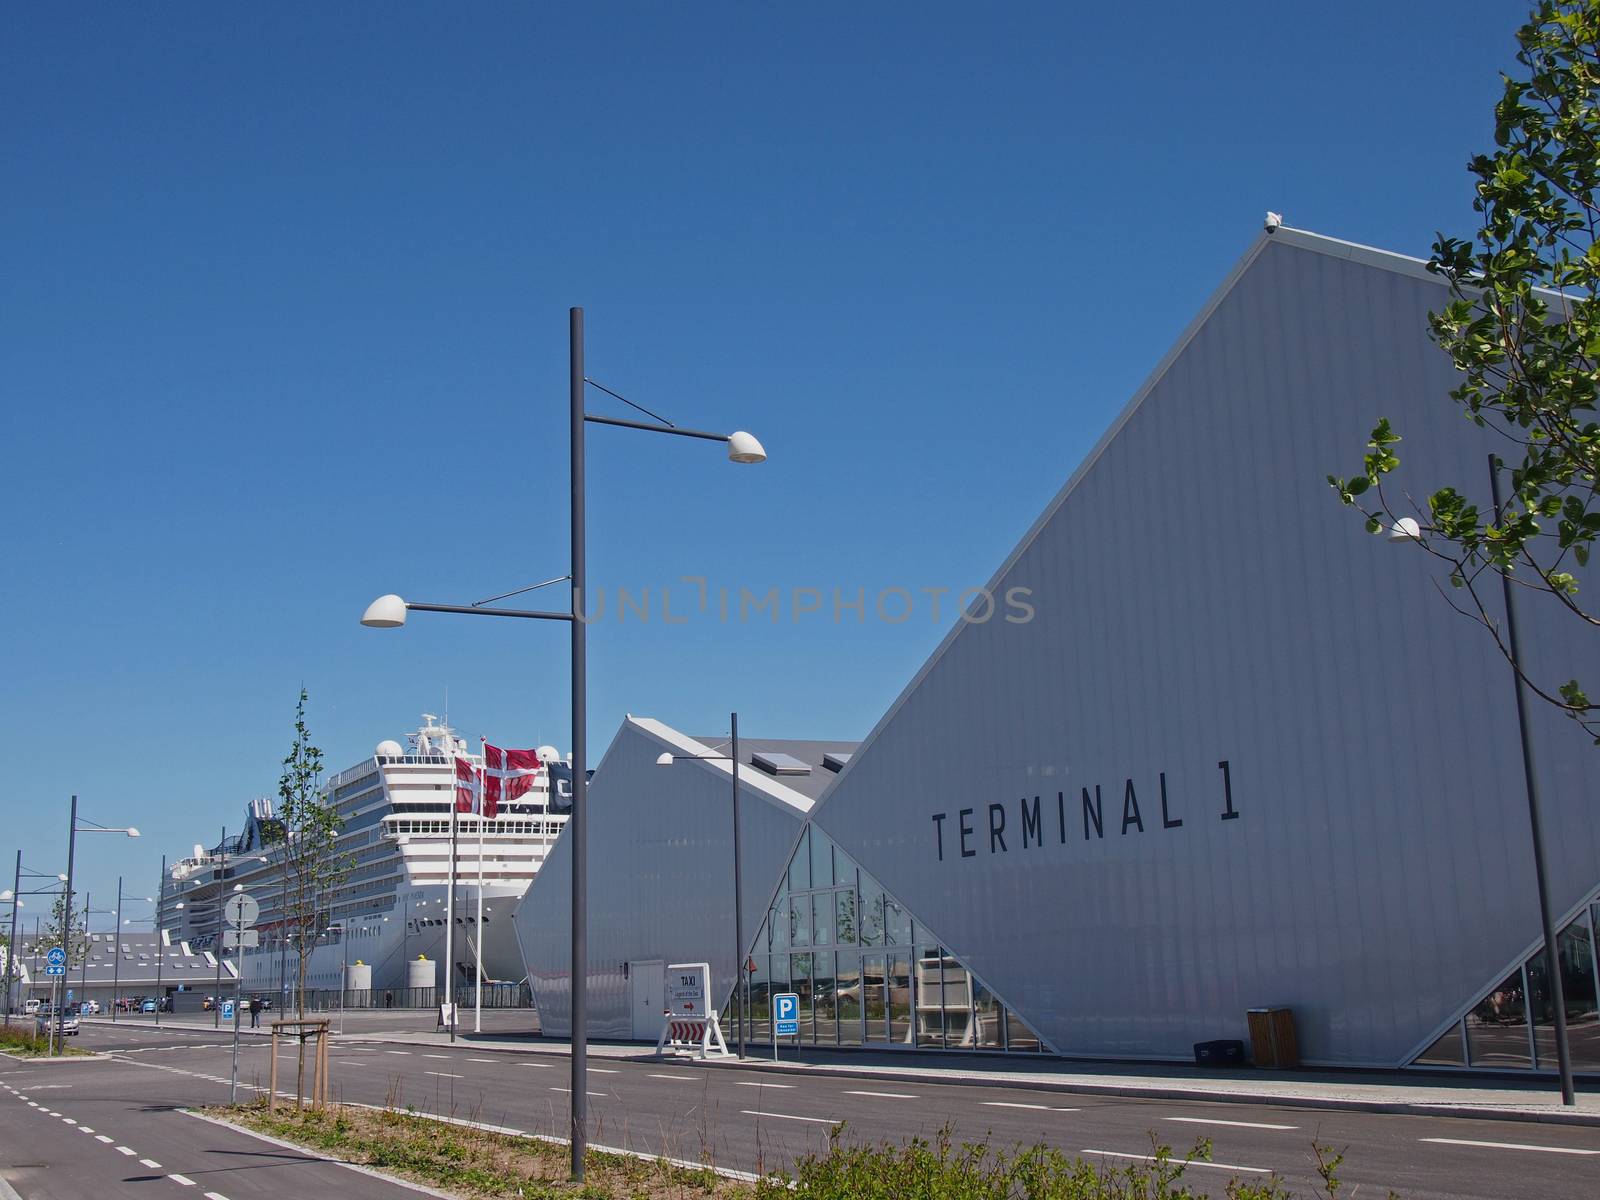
[[1405, 529], [386, 612], [664, 760], [743, 448], [132, 832]]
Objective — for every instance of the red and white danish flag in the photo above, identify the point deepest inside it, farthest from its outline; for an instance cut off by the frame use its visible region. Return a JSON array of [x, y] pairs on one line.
[[469, 786], [507, 774]]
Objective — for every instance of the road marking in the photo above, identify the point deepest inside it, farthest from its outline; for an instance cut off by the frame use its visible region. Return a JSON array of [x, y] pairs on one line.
[[435, 1056], [759, 1083], [349, 1062], [1190, 1163], [1509, 1146], [444, 1075], [885, 1095], [787, 1117], [690, 1078], [100, 1137], [183, 1179], [215, 1196], [84, 1129], [151, 1163], [397, 1052], [128, 1152], [1019, 1104], [569, 1092], [50, 1112], [603, 1071], [1233, 1124], [487, 1060], [69, 1120]]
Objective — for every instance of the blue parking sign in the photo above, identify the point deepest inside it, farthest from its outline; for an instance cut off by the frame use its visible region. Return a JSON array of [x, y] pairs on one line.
[[227, 1010], [786, 1014]]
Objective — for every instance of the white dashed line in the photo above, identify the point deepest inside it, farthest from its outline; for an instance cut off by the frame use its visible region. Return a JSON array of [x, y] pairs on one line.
[[602, 1095], [885, 1095], [690, 1078], [183, 1179], [128, 1152], [759, 1083], [1193, 1163], [487, 1060], [444, 1075], [435, 1056], [1509, 1146], [397, 1052], [100, 1137], [215, 1196], [1019, 1104], [786, 1117], [151, 1163], [1233, 1124], [69, 1120], [603, 1071], [84, 1129]]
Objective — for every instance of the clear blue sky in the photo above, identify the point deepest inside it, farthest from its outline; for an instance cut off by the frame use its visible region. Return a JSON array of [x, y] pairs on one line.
[[283, 305]]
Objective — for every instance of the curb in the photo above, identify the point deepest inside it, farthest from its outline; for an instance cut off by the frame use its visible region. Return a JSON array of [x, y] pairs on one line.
[[1134, 1091]]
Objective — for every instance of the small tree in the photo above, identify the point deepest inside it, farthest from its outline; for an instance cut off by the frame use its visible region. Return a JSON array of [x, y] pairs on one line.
[[1523, 328], [313, 868], [58, 930]]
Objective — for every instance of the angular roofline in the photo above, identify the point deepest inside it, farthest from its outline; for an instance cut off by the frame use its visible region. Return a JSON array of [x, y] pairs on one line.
[[1386, 260], [752, 780]]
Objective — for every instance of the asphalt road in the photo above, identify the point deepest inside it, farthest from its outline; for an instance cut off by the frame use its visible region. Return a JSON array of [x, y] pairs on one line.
[[752, 1121]]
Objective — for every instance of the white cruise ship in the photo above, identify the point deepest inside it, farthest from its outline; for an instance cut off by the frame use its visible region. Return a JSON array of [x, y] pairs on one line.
[[387, 920]]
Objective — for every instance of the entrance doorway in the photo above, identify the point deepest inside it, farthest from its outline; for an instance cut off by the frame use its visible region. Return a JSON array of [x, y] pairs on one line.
[[647, 986]]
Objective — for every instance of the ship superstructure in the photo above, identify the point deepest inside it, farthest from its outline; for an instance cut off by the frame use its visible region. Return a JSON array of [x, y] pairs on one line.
[[389, 912]]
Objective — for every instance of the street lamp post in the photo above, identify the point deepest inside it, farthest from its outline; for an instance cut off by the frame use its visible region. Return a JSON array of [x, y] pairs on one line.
[[116, 948], [222, 896], [11, 946], [1407, 529], [741, 991], [388, 612], [161, 941], [74, 825]]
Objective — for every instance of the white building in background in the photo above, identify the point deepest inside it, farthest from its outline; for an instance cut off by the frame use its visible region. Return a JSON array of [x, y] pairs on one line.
[[395, 806], [1243, 755]]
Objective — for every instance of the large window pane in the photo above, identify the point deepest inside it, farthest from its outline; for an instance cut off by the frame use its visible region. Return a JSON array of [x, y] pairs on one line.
[[929, 986], [844, 916], [1497, 1029], [900, 996], [1446, 1051], [821, 860], [780, 926], [800, 984], [871, 913], [822, 919], [988, 1029], [874, 996], [800, 864], [1576, 961], [761, 999], [848, 995], [822, 998], [896, 923], [799, 921], [958, 1031]]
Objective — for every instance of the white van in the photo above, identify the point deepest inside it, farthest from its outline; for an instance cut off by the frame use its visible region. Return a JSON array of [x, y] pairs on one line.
[[32, 1006]]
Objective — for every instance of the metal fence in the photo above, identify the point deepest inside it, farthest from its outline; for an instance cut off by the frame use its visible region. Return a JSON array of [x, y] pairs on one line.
[[332, 999]]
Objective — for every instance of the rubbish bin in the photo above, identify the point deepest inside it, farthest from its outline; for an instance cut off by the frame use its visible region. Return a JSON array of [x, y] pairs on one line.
[[1272, 1040]]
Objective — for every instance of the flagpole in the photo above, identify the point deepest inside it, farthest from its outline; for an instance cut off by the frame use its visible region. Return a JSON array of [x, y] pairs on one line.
[[450, 930], [477, 1000]]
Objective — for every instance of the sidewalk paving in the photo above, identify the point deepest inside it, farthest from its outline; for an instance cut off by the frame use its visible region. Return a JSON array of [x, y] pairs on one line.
[[1407, 1092]]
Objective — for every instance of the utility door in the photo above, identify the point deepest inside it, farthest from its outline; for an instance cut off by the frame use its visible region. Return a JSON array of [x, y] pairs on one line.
[[647, 990]]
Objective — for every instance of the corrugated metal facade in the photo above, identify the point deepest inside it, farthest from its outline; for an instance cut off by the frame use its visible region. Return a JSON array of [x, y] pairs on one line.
[[1201, 597], [660, 875]]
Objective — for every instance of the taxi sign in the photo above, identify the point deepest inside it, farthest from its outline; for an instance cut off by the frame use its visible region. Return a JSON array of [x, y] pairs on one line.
[[786, 1014]]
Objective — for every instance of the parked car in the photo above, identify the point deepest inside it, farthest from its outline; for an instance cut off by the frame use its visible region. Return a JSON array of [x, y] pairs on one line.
[[67, 1023], [149, 1006], [32, 1007]]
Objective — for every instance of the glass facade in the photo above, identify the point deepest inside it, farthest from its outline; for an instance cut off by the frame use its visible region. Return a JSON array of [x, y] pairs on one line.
[[865, 973], [1497, 1033]]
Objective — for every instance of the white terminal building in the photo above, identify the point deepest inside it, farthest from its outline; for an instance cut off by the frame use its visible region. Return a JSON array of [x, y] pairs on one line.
[[1242, 756]]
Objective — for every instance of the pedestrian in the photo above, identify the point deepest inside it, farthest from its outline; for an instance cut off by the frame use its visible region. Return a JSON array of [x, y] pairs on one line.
[[388, 999], [255, 1012]]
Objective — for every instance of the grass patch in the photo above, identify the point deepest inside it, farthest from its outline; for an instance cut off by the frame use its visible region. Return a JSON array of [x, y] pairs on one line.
[[24, 1042], [476, 1162], [479, 1163]]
